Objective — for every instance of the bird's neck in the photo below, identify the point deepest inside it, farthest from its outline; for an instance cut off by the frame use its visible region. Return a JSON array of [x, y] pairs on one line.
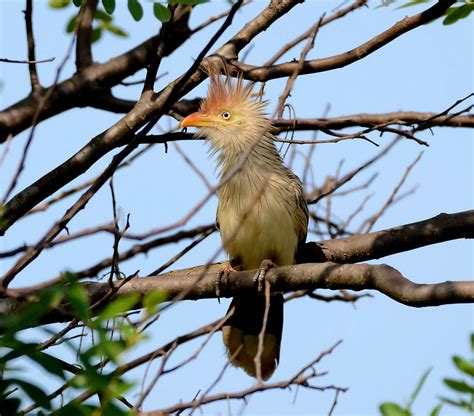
[[256, 155]]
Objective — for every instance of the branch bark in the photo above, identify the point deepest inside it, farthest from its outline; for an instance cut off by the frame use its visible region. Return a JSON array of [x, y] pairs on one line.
[[200, 283], [84, 35], [364, 247]]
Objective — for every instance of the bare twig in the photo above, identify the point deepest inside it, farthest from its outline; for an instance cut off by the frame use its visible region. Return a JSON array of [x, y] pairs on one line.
[[36, 115], [301, 378], [292, 78], [392, 196], [35, 85], [346, 178], [27, 61]]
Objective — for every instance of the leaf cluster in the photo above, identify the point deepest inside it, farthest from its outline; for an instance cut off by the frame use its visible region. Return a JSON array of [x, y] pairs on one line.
[[107, 337], [460, 10], [463, 387], [161, 10]]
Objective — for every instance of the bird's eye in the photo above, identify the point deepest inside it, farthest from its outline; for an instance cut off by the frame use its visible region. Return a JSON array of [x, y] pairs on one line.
[[225, 115]]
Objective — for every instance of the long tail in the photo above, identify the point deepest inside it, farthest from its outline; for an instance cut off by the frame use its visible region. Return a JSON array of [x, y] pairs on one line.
[[242, 329]]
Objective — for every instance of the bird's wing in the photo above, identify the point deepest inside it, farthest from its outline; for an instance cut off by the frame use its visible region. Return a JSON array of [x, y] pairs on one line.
[[301, 215]]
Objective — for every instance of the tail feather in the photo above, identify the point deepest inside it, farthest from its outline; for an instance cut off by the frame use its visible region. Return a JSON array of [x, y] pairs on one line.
[[241, 333]]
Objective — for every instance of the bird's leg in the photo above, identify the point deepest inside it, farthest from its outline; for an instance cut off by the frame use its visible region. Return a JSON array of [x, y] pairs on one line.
[[226, 268], [259, 277]]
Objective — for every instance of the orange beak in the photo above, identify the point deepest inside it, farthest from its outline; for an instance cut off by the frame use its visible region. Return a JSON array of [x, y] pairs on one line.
[[196, 120]]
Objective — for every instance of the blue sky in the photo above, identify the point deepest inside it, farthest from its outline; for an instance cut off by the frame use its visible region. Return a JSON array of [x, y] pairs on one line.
[[387, 346]]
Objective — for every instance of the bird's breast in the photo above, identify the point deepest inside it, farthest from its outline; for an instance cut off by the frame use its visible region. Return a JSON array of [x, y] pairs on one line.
[[256, 219]]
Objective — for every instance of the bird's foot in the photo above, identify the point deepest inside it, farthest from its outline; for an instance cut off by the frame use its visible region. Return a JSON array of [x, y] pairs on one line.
[[222, 276], [260, 276]]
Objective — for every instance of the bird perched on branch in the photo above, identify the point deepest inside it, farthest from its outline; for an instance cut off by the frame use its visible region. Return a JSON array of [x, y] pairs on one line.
[[262, 213]]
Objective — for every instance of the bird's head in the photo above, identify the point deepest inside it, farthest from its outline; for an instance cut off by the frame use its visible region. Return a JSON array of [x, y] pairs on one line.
[[229, 116]]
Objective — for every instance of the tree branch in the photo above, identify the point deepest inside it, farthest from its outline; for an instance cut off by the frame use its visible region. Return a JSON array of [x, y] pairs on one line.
[[34, 81], [370, 120], [200, 283], [364, 247], [265, 73], [81, 88], [84, 35]]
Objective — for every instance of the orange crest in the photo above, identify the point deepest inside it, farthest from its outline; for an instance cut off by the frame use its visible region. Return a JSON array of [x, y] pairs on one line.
[[224, 93]]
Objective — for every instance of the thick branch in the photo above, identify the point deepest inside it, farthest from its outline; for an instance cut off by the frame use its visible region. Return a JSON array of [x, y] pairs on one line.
[[443, 227], [200, 283]]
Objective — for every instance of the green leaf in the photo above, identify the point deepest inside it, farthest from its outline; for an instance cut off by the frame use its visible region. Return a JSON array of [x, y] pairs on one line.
[[418, 387], [459, 385], [436, 410], [393, 409], [37, 395], [71, 25], [108, 348], [457, 13], [188, 2], [114, 29], [385, 3], [472, 342], [130, 334], [78, 299], [136, 9], [59, 4], [77, 3], [50, 363], [152, 300], [20, 349], [119, 387], [109, 6], [102, 16], [76, 409], [96, 34], [118, 306], [162, 13], [464, 365], [461, 403], [412, 3], [92, 380], [112, 410]]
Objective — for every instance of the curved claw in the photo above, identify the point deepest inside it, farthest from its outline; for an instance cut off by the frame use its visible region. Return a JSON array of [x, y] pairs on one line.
[[259, 277], [222, 275]]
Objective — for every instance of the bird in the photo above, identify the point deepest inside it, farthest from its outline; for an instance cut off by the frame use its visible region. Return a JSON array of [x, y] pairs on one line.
[[262, 215]]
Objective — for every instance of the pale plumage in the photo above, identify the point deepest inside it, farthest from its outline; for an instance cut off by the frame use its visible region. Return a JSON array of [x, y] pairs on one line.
[[262, 213]]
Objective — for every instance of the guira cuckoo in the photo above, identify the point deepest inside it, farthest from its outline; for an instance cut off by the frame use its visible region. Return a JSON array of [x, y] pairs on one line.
[[262, 213]]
